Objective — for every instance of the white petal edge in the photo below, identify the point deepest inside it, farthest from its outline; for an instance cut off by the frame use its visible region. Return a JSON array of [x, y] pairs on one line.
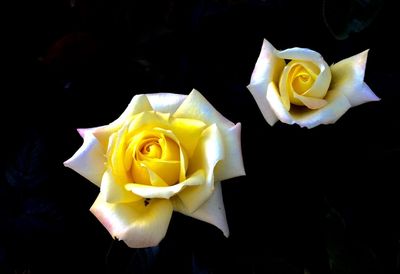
[[212, 211], [165, 102], [232, 164], [196, 106], [88, 160], [259, 92], [268, 66], [337, 105], [137, 225], [300, 54], [348, 77]]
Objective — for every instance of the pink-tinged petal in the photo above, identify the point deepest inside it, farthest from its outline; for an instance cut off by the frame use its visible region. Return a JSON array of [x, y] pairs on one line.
[[115, 192], [88, 160], [337, 105], [166, 192], [268, 66], [139, 224], [267, 69], [232, 165], [209, 152], [165, 102], [348, 79], [212, 211]]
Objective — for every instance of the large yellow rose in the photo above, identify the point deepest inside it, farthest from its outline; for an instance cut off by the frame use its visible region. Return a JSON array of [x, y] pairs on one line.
[[166, 152], [305, 90]]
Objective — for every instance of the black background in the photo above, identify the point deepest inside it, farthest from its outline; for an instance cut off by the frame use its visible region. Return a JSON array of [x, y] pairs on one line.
[[313, 201]]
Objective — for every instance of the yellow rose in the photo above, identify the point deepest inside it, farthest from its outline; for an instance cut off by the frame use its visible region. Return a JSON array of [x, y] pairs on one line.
[[306, 91], [165, 152]]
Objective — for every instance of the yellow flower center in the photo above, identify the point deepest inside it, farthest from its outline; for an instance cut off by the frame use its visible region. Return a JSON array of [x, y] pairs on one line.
[[298, 85]]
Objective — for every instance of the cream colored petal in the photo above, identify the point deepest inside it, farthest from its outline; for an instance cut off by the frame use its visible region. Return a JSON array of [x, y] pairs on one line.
[[165, 102], [209, 152], [138, 104], [268, 67], [88, 160], [166, 192], [139, 224], [274, 100], [232, 165], [322, 83], [212, 211], [114, 192], [300, 54], [337, 105], [259, 92], [310, 102], [195, 106], [348, 79]]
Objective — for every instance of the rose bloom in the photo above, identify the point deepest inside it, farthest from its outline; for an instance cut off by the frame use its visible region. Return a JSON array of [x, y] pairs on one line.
[[165, 153], [305, 90]]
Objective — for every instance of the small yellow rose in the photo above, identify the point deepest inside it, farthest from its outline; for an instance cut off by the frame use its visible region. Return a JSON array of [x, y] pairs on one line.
[[305, 90], [166, 152]]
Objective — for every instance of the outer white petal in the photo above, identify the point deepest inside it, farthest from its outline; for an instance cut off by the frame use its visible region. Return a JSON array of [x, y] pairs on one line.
[[212, 211], [337, 105], [232, 165], [267, 69], [166, 192], [259, 92], [137, 224], [196, 106], [348, 78], [165, 102], [300, 54], [88, 160], [277, 106]]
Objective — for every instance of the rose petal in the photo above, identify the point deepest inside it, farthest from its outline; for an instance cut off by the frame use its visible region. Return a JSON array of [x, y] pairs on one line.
[[348, 78], [268, 68], [212, 211], [209, 152], [138, 104], [259, 92], [277, 106], [300, 54], [197, 107], [114, 192], [337, 105], [188, 132], [139, 224], [310, 102], [88, 160], [165, 102], [166, 192], [232, 165]]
